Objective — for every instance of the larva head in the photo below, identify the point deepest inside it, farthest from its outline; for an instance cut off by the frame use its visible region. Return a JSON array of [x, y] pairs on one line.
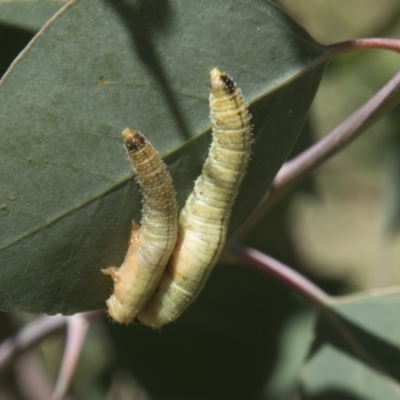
[[134, 141], [221, 83]]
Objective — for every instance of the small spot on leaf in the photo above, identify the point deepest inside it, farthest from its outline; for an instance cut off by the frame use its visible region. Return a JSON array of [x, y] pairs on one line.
[[102, 80]]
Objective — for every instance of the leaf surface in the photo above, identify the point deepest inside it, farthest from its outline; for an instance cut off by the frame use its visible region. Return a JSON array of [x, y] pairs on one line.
[[66, 189], [364, 362]]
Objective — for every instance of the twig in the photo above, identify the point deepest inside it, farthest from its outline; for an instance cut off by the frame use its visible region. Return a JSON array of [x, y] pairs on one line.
[[32, 377], [77, 327], [299, 167], [313, 293], [363, 44], [32, 334], [283, 273], [296, 169]]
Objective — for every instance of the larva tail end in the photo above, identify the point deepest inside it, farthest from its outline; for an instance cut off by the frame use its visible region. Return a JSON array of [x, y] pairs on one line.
[[134, 141], [118, 311], [221, 82], [146, 318]]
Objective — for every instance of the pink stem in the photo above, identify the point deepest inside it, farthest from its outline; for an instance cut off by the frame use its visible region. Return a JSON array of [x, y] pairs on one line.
[[283, 273]]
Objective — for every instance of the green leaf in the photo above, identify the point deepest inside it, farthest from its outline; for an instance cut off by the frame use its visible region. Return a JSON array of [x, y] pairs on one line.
[[67, 190], [359, 356]]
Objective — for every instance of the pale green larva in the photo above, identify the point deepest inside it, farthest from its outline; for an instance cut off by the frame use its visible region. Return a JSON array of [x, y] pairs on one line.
[[204, 219], [151, 244]]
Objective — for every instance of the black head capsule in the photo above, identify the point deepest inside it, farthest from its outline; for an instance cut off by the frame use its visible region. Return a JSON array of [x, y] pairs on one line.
[[134, 141], [229, 84]]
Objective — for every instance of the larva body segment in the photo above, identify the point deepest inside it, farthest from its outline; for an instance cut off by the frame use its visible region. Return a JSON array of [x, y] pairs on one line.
[[150, 245], [203, 221]]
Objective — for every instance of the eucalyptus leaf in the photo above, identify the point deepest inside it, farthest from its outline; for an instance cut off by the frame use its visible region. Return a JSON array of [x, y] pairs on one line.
[[67, 192], [361, 359]]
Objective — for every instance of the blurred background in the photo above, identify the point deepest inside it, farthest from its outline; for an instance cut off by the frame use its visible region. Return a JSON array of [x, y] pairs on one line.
[[348, 227], [247, 335]]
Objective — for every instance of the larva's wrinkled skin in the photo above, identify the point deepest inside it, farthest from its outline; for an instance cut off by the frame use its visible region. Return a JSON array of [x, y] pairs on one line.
[[203, 222], [150, 245]]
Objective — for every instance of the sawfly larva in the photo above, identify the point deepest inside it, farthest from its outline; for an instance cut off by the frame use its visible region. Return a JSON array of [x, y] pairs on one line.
[[203, 221], [150, 244]]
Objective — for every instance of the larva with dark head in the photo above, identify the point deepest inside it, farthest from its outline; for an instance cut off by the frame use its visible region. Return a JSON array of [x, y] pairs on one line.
[[203, 221], [150, 245]]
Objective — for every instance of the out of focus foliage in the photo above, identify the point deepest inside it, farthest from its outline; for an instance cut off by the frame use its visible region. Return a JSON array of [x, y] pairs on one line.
[[349, 227]]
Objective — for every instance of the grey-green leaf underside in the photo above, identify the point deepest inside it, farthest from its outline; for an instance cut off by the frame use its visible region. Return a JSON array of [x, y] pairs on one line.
[[361, 359], [66, 188]]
